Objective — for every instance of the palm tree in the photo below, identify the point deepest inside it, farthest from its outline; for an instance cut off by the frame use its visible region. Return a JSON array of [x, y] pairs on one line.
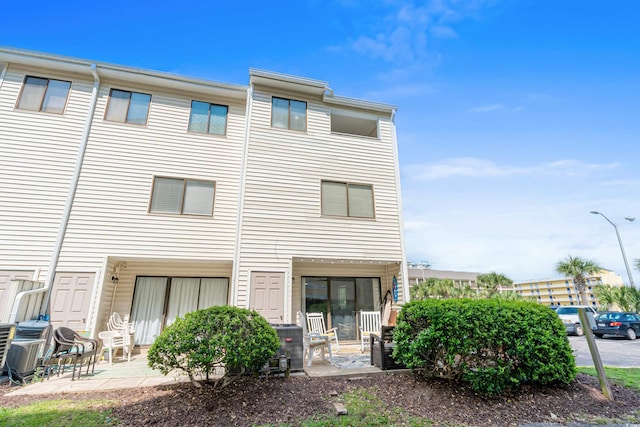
[[627, 298], [579, 269], [605, 295], [494, 282]]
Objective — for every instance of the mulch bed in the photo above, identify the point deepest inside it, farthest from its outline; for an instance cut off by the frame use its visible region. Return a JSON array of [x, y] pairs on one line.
[[278, 401]]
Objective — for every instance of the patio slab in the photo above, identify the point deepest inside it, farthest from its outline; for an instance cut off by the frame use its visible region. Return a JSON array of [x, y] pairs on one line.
[[126, 375]]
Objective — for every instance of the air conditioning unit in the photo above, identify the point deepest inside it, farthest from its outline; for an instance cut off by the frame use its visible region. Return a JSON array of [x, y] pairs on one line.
[[7, 330], [23, 356]]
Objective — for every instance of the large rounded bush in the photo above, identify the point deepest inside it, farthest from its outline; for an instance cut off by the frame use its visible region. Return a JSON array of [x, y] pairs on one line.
[[493, 345], [228, 339]]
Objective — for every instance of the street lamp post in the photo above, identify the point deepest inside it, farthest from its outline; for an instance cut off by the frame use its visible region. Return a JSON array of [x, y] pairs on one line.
[[624, 256]]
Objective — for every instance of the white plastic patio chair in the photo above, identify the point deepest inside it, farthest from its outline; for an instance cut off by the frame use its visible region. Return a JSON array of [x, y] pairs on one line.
[[315, 324], [369, 324], [312, 341], [123, 329], [114, 340]]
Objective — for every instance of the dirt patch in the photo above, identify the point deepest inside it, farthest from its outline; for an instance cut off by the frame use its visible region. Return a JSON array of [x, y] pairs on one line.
[[278, 401]]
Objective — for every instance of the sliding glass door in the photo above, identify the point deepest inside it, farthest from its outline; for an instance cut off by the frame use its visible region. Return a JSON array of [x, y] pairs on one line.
[[340, 299], [158, 301], [148, 308]]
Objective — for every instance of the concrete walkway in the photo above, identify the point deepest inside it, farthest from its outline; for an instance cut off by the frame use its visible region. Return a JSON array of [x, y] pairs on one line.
[[123, 374]]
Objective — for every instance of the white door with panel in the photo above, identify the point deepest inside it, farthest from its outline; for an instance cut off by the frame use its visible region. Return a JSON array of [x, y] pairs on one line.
[[267, 295]]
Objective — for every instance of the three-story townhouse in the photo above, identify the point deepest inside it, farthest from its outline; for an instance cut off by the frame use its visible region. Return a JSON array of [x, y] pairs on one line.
[[155, 194]]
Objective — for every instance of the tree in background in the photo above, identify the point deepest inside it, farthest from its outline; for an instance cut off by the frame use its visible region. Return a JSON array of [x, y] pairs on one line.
[[445, 289], [605, 295], [627, 297], [637, 261], [579, 269], [433, 288], [493, 282]]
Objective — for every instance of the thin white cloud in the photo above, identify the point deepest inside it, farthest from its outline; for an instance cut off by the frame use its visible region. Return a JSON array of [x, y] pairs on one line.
[[620, 183], [486, 108], [443, 32], [473, 167], [401, 90], [402, 36]]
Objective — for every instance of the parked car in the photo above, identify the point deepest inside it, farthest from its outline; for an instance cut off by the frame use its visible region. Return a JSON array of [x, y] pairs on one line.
[[571, 320], [622, 324]]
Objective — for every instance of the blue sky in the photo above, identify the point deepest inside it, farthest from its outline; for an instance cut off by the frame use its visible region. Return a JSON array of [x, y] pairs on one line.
[[516, 117]]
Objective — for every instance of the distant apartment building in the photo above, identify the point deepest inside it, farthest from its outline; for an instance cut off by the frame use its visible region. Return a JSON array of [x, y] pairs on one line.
[[561, 292], [418, 274]]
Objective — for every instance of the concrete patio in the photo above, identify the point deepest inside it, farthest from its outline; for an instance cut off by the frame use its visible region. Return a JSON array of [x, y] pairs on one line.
[[136, 373]]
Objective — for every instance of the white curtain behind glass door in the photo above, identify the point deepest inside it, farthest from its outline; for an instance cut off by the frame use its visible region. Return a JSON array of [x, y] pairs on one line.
[[183, 297], [213, 292], [148, 305]]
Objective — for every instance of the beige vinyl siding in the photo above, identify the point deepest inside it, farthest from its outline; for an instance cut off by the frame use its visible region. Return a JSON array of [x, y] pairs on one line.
[[38, 157], [110, 213], [282, 217]]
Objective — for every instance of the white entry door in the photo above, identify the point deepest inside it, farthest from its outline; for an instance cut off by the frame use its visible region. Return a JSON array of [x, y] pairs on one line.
[[70, 299], [267, 295]]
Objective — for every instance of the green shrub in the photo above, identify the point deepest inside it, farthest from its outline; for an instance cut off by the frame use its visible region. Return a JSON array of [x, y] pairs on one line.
[[218, 339], [494, 345]]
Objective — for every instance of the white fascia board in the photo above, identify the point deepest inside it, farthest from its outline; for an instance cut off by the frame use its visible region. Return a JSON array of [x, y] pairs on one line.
[[287, 82], [358, 103], [130, 74]]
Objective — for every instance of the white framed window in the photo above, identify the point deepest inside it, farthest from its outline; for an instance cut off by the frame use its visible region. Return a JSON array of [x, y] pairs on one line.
[[41, 94], [208, 118], [288, 114], [347, 199], [128, 107], [182, 196]]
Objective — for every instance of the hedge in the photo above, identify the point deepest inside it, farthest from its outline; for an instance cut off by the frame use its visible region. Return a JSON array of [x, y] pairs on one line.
[[494, 345]]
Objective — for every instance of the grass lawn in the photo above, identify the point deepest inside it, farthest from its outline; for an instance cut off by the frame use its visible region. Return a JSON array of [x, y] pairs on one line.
[[627, 377], [363, 411], [59, 413]]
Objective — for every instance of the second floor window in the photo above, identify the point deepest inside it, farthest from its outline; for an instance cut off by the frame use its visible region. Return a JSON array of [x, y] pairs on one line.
[[345, 199], [288, 114], [128, 107], [48, 95], [182, 196], [208, 118]]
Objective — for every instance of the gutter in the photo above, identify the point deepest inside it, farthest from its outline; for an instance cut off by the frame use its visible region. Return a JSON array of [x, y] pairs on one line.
[[64, 222], [129, 74], [235, 283]]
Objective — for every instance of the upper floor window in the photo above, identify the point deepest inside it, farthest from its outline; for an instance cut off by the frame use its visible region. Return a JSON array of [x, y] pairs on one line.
[[48, 95], [345, 199], [288, 114], [128, 107], [208, 118], [182, 196]]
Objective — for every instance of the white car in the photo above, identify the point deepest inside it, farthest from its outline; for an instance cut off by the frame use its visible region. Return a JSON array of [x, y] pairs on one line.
[[571, 320]]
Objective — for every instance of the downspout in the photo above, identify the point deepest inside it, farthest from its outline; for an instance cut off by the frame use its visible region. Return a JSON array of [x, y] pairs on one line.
[[64, 222], [403, 268], [235, 283], [3, 73]]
